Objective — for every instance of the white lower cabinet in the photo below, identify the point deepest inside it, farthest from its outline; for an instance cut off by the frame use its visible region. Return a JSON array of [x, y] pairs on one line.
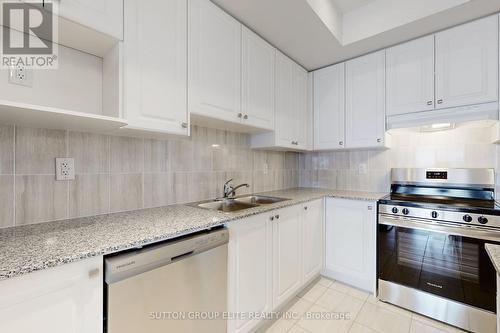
[[287, 272], [312, 239], [266, 266], [350, 242], [65, 299], [250, 284]]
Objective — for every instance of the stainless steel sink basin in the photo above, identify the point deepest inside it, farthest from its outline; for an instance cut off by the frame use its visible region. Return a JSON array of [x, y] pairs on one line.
[[237, 204], [226, 206], [259, 199]]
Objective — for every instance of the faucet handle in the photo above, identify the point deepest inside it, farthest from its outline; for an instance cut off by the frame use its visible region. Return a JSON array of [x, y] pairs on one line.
[[227, 188]]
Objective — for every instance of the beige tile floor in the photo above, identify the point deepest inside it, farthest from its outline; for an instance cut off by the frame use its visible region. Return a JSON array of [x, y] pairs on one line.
[[330, 306]]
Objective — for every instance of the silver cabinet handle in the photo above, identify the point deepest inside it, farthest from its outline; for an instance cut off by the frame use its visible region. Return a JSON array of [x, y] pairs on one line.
[[370, 207], [272, 218], [305, 207], [245, 116], [240, 115], [379, 140], [184, 125], [440, 101], [277, 217], [341, 143], [429, 102]]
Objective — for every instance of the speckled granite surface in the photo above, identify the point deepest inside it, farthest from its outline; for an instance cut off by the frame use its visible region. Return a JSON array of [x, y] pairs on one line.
[[31, 248], [494, 253]]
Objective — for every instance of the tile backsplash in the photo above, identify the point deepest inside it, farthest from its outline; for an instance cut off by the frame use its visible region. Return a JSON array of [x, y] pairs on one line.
[[369, 170], [116, 173]]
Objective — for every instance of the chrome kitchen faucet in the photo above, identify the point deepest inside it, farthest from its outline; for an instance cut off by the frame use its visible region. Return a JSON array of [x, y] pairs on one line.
[[229, 191]]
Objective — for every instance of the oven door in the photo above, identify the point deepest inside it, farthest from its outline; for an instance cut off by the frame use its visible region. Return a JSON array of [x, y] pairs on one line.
[[445, 261]]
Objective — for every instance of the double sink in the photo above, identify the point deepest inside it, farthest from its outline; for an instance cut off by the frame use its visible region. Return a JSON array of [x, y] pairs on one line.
[[229, 205]]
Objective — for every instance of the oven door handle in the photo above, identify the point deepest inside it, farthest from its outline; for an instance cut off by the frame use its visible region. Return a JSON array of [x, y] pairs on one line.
[[414, 223]]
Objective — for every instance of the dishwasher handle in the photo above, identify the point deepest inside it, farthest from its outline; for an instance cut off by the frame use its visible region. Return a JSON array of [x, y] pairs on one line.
[[123, 266]]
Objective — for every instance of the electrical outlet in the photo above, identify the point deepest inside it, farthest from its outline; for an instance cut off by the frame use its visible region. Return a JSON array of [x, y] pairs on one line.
[[65, 168], [21, 75]]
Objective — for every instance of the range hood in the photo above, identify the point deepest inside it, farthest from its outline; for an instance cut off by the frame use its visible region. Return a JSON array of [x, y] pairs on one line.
[[486, 111]]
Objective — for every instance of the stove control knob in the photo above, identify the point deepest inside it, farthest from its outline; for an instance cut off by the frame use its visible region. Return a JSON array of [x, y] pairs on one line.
[[406, 211], [395, 210], [434, 214], [467, 218], [482, 220]]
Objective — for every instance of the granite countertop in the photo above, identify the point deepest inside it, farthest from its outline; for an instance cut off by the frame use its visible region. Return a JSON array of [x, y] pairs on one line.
[[494, 253], [35, 247]]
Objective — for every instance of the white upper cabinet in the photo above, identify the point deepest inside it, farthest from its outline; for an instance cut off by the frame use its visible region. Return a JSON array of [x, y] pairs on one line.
[[285, 101], [155, 66], [214, 62], [65, 299], [102, 15], [257, 99], [329, 108], [300, 108], [410, 76], [365, 101], [310, 111], [291, 108], [467, 64]]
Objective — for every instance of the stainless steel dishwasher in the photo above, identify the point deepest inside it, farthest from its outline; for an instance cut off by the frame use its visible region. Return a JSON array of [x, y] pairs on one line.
[[177, 286]]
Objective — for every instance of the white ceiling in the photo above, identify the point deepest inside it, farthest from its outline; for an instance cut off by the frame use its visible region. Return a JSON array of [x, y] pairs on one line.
[[348, 5], [298, 31]]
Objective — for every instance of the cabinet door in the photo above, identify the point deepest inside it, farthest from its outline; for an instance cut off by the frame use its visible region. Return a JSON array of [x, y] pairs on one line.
[[249, 254], [300, 103], [310, 111], [155, 60], [365, 101], [329, 107], [287, 270], [257, 99], [467, 64], [410, 76], [312, 239], [101, 15], [214, 62], [285, 101], [66, 299], [350, 233]]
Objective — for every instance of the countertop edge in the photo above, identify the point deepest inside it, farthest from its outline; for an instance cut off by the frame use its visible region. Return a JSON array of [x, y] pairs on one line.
[[220, 218], [493, 251]]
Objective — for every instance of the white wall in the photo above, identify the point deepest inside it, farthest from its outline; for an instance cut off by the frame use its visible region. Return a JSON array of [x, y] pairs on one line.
[[463, 147]]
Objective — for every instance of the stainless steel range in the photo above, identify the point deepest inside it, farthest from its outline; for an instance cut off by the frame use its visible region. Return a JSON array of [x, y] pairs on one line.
[[432, 229]]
